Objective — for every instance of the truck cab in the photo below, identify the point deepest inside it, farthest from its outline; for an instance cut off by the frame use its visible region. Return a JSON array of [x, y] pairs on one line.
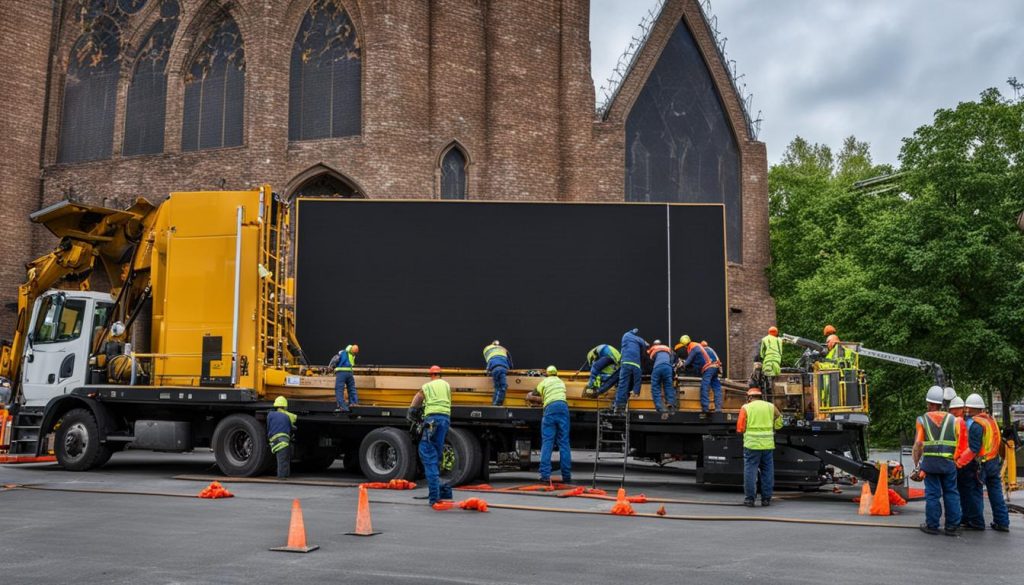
[[63, 332]]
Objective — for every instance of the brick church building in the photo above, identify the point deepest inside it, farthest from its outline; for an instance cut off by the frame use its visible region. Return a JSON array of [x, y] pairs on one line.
[[109, 100]]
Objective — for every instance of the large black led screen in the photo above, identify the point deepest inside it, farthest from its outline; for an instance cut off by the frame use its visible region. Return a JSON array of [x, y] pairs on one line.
[[432, 282]]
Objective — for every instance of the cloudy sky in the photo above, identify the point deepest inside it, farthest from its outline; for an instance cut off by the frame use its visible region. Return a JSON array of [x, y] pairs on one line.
[[827, 69]]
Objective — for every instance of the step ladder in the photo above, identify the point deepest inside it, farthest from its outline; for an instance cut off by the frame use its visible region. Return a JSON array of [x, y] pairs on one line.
[[612, 445], [25, 432]]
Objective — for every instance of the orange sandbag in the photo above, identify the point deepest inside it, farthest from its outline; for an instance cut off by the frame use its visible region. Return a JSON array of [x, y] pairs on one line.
[[214, 491], [573, 492], [595, 492], [441, 506], [477, 504], [401, 484], [638, 499], [479, 486]]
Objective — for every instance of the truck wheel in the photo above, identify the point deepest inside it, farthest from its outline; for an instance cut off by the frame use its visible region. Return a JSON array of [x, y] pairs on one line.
[[240, 446], [460, 462], [77, 444], [387, 453]]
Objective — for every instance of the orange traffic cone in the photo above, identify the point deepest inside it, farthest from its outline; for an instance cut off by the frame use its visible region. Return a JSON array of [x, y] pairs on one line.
[[880, 503], [296, 533], [865, 500], [363, 525]]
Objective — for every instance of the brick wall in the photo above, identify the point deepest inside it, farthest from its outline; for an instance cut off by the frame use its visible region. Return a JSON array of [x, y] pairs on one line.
[[508, 80]]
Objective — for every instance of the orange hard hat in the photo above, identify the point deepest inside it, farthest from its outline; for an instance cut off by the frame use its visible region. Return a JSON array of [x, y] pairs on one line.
[[435, 370], [773, 330], [832, 340], [754, 392], [355, 348], [828, 330]]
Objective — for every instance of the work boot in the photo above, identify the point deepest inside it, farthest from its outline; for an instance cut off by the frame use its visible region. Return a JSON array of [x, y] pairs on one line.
[[928, 529], [748, 502], [671, 407], [953, 531], [999, 527], [966, 526], [766, 503]]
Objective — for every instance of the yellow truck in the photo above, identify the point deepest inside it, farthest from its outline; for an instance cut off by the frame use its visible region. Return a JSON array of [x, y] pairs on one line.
[[196, 337]]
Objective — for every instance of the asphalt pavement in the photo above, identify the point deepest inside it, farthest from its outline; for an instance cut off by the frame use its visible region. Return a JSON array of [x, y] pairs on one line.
[[83, 537]]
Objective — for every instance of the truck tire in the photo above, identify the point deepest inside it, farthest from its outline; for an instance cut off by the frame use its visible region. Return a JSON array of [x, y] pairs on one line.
[[387, 453], [240, 446], [77, 444], [460, 462]]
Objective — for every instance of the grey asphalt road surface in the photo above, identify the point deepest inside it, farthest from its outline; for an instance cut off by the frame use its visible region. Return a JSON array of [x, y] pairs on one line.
[[81, 537]]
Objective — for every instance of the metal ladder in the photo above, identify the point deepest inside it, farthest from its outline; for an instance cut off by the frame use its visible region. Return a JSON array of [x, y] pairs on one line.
[[25, 432], [613, 441]]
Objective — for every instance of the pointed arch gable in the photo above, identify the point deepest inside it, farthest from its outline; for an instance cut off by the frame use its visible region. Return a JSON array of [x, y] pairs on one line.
[[320, 171], [214, 94], [453, 171]]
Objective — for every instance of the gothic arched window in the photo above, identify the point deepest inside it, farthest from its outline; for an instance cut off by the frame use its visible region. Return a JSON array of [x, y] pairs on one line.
[[325, 185], [453, 174], [147, 93], [325, 90], [215, 90], [90, 93]]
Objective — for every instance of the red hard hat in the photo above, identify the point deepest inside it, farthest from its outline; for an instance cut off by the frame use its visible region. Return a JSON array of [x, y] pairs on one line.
[[828, 330], [435, 370], [773, 330], [754, 392]]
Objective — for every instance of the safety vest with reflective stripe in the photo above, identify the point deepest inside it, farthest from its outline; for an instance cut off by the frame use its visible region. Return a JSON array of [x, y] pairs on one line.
[[492, 351], [346, 360], [940, 434], [771, 350], [280, 440], [990, 440], [708, 361], [760, 432], [437, 398], [605, 350], [654, 350], [551, 389]]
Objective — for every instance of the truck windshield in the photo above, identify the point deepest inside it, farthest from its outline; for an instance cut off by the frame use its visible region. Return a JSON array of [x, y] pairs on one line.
[[58, 321]]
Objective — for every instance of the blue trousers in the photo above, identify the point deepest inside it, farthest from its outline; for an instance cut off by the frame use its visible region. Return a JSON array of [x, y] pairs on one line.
[[498, 374], [940, 491], [710, 379], [968, 484], [555, 427], [661, 382], [758, 461], [993, 481], [435, 428], [629, 381], [344, 380], [607, 381]]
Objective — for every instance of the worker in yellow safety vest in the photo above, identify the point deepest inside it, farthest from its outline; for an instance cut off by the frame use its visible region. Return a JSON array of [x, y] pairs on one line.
[[758, 422], [554, 427], [768, 359], [498, 364], [435, 397], [939, 437], [344, 379], [280, 424]]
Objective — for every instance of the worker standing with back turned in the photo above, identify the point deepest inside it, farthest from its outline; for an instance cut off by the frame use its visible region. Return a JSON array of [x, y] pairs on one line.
[[983, 440], [768, 358], [280, 424], [498, 364], [436, 399], [758, 422], [661, 376], [937, 439], [344, 363], [629, 371], [554, 426]]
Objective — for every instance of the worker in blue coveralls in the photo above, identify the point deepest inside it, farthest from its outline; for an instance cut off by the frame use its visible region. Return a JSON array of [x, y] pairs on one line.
[[498, 364], [693, 354], [280, 424], [554, 427], [661, 376], [604, 369], [435, 398], [343, 364], [632, 349]]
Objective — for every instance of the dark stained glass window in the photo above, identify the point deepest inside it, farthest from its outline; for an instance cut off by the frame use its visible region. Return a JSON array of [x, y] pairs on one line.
[[90, 93], [215, 90], [325, 186], [680, 146], [453, 174], [325, 85], [147, 93]]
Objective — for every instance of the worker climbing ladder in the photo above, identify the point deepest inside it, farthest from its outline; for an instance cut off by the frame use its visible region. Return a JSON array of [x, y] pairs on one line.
[[612, 444]]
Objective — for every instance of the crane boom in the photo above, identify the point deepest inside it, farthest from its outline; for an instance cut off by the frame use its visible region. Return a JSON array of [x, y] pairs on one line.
[[932, 368]]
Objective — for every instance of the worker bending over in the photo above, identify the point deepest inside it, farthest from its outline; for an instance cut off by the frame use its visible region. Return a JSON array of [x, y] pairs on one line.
[[758, 422], [554, 426], [280, 424], [344, 363], [498, 364], [983, 440], [436, 399], [661, 376], [768, 359], [705, 361], [604, 369], [938, 437], [629, 372]]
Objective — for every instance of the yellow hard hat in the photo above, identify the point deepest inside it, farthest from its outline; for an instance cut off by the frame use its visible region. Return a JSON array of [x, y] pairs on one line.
[[552, 371], [280, 402], [685, 340]]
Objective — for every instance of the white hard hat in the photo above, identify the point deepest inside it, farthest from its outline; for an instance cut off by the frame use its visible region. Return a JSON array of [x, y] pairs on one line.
[[975, 401], [934, 395], [948, 393], [957, 402]]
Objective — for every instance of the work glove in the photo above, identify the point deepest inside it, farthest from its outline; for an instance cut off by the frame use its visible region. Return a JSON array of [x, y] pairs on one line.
[[414, 415], [918, 475]]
